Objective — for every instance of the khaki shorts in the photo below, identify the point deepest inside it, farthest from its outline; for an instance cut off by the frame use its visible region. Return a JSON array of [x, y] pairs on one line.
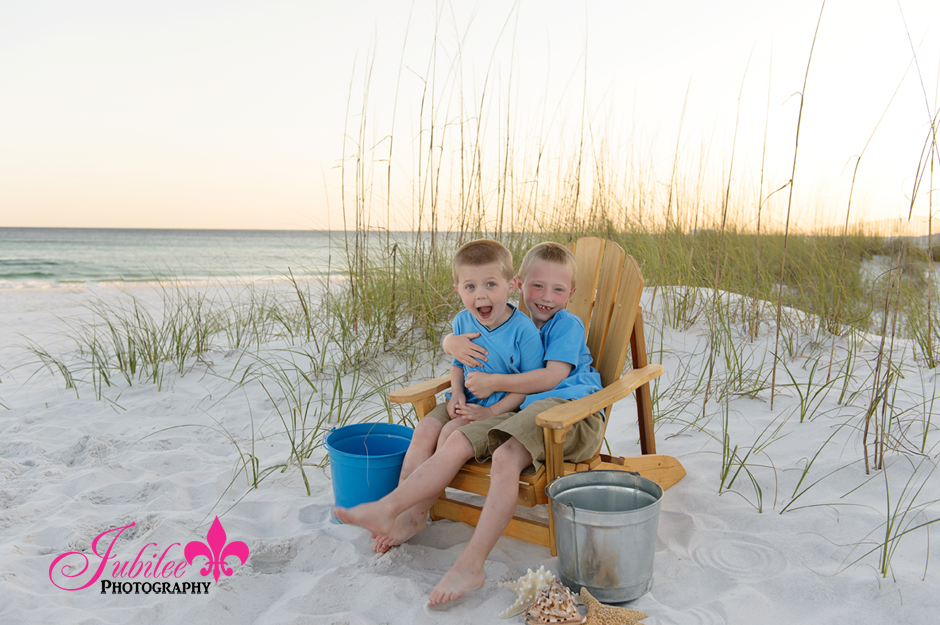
[[439, 412], [583, 439]]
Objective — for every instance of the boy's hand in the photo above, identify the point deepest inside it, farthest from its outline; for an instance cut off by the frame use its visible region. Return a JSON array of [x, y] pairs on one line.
[[465, 351], [457, 400], [474, 412], [481, 384]]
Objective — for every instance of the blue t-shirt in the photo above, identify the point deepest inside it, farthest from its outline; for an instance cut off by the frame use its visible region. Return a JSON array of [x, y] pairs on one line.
[[514, 347], [563, 340]]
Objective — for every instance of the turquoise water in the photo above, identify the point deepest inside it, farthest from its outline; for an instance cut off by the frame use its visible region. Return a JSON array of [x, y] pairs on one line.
[[56, 257]]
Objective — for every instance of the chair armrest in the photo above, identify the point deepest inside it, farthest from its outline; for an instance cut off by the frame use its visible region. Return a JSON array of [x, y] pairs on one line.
[[569, 413], [420, 391]]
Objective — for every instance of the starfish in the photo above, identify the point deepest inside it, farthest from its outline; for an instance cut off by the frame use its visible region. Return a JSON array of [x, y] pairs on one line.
[[600, 614]]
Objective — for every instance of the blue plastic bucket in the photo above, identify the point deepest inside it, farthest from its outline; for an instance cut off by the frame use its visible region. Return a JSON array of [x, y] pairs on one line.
[[365, 460]]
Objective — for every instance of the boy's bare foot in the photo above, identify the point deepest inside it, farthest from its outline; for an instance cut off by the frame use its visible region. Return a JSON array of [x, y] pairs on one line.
[[368, 516], [405, 526], [456, 583]]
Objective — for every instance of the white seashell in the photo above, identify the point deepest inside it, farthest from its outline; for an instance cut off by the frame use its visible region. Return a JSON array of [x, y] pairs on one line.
[[527, 589]]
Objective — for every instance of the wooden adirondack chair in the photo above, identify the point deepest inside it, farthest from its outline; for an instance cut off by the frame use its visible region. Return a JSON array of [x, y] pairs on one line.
[[609, 284]]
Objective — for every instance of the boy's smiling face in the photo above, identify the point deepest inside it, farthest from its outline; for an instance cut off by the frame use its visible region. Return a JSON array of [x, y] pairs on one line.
[[484, 292], [546, 289]]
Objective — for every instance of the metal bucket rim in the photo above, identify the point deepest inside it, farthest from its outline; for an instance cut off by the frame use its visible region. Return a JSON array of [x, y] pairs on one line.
[[659, 496]]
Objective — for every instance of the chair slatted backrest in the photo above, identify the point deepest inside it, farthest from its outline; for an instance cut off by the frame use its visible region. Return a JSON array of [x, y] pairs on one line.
[[613, 285], [622, 320], [588, 252], [611, 268]]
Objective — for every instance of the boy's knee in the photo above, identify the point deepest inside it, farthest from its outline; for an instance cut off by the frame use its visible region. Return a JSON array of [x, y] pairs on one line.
[[512, 453], [428, 427], [457, 444], [425, 437]]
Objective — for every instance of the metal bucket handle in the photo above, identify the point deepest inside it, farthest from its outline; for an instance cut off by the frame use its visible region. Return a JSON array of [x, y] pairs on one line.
[[574, 523], [574, 529]]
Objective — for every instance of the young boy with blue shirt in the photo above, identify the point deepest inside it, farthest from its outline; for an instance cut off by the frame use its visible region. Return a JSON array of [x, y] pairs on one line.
[[513, 439], [483, 278]]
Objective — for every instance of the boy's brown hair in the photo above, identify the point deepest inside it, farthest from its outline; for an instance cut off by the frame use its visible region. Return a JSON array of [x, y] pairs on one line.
[[550, 252], [483, 252]]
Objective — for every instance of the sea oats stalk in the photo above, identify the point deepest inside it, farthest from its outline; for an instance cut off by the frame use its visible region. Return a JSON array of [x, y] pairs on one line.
[[932, 153], [835, 324], [721, 238], [755, 308], [786, 231]]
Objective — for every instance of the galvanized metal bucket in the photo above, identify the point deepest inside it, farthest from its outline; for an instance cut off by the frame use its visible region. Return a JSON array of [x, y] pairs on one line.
[[605, 532]]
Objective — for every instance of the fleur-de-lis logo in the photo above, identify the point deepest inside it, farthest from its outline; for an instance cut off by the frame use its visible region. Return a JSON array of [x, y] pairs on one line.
[[216, 551]]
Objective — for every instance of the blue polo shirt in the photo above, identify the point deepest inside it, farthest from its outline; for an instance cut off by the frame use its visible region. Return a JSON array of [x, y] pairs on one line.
[[514, 346], [563, 340]]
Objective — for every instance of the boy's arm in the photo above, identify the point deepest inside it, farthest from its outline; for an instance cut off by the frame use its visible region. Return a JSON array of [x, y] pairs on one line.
[[458, 396], [475, 412], [564, 345], [464, 350], [536, 381]]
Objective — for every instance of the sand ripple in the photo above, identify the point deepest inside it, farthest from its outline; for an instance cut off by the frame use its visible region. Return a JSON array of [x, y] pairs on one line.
[[739, 556], [700, 615]]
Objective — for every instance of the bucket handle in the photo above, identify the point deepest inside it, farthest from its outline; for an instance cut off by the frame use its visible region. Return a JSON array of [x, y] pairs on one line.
[[574, 531], [636, 485]]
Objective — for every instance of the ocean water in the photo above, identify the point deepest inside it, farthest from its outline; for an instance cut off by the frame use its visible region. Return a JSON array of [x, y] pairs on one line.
[[47, 258]]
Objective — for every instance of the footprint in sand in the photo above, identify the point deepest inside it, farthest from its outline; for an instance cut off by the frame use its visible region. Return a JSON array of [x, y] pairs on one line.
[[271, 556], [88, 450]]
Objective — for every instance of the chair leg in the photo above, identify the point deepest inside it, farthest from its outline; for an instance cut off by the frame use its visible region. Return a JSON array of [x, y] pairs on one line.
[[644, 399], [554, 467], [644, 411]]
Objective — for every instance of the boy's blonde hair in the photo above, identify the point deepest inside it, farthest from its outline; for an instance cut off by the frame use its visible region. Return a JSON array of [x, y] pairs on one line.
[[483, 252], [550, 252]]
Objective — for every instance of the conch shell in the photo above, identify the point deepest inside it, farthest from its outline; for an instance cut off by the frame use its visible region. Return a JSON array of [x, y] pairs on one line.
[[554, 605]]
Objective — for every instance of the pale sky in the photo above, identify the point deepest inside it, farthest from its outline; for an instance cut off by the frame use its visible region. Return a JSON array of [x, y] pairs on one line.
[[231, 114]]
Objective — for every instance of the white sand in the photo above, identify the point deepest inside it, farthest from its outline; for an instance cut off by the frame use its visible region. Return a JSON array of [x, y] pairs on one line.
[[73, 467]]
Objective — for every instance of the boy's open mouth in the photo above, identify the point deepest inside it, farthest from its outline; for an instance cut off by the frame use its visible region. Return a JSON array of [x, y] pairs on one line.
[[485, 311], [544, 308]]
